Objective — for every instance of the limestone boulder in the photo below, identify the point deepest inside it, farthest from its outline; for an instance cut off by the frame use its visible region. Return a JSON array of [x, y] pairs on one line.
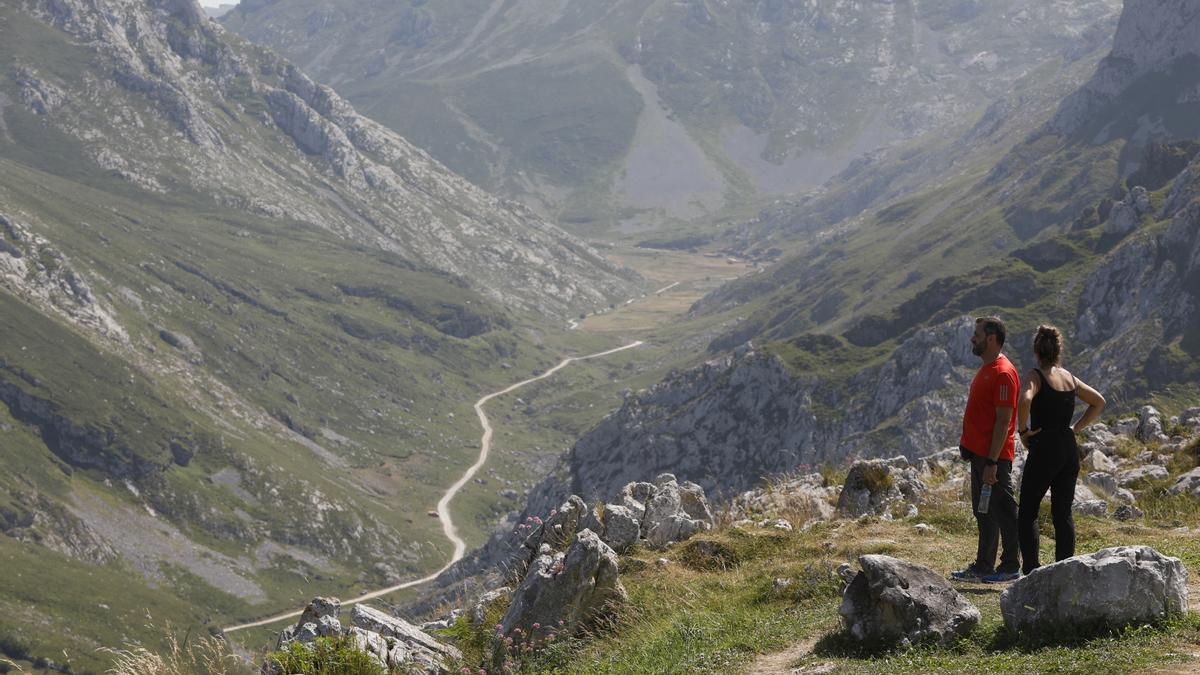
[[634, 497], [319, 619], [674, 512], [1188, 483], [1150, 425], [895, 601], [1141, 473], [1098, 461], [578, 588], [1101, 481], [1111, 587], [621, 528], [1090, 507], [805, 495], [875, 486], [415, 649], [1127, 214]]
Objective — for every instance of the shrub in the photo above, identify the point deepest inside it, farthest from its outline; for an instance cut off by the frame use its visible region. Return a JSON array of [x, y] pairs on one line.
[[325, 656]]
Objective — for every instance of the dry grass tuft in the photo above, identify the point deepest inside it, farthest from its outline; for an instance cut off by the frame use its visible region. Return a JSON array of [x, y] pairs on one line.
[[203, 656]]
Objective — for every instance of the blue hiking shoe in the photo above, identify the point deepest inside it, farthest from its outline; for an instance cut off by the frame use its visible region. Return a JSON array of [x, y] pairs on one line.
[[970, 574], [1001, 577]]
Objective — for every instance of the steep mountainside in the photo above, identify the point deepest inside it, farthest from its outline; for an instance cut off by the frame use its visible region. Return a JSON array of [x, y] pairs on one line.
[[242, 329], [860, 338], [637, 110]]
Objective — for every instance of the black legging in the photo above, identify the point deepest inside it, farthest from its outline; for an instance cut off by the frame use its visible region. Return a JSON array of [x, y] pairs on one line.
[[1053, 464]]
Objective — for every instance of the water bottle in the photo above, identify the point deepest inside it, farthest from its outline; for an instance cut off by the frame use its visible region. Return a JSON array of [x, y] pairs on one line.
[[985, 498]]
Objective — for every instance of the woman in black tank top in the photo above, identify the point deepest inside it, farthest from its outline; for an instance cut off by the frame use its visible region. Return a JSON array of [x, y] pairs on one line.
[[1044, 412]]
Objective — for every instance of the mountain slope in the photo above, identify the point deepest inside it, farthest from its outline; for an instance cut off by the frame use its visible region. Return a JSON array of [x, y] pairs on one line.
[[243, 327], [861, 336], [640, 111]]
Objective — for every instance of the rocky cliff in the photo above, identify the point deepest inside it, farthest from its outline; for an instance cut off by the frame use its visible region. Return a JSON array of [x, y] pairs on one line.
[[1154, 37]]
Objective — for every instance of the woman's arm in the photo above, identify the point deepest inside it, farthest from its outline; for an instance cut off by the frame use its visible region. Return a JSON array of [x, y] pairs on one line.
[[1024, 402], [1095, 403]]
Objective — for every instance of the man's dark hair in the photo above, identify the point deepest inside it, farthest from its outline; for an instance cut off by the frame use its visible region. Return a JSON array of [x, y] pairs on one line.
[[992, 325]]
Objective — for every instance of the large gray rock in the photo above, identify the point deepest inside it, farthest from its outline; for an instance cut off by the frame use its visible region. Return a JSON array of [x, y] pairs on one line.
[[420, 651], [1097, 460], [675, 512], [1150, 472], [896, 601], [1150, 426], [875, 486], [621, 528], [319, 619], [1188, 483], [805, 497], [1128, 213], [577, 588], [1112, 587], [1102, 481]]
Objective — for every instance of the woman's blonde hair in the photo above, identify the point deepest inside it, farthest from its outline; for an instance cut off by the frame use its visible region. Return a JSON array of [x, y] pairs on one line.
[[1047, 345]]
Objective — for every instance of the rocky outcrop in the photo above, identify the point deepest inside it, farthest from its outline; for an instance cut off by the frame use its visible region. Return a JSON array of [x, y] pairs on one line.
[[895, 601], [674, 512], [407, 646], [1127, 214], [731, 421], [566, 591], [395, 644], [803, 498], [1112, 587], [876, 486]]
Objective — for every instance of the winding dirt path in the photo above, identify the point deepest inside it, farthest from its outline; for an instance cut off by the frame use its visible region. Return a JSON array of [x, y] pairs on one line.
[[443, 505]]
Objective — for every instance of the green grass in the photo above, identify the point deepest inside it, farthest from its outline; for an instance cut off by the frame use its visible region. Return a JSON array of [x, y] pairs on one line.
[[691, 617]]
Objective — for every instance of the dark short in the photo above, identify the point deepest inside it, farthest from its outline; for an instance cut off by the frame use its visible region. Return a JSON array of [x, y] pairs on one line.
[[965, 453]]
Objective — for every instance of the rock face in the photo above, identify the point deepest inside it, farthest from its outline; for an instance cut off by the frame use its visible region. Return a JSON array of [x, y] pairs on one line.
[[896, 601], [875, 486], [1112, 587], [394, 643], [1128, 213], [577, 587], [729, 422], [1152, 36]]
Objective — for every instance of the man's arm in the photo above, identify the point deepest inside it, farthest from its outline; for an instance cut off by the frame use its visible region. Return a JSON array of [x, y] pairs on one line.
[[999, 436]]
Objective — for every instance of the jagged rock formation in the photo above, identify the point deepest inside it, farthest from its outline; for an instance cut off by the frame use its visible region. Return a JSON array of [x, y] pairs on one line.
[[1112, 587], [876, 486], [393, 643], [731, 421], [1152, 36], [566, 590], [895, 601]]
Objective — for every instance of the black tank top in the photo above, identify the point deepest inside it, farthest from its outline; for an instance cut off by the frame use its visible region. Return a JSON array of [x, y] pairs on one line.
[[1051, 410]]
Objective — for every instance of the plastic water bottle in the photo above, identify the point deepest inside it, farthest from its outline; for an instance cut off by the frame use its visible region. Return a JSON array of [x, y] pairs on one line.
[[985, 498]]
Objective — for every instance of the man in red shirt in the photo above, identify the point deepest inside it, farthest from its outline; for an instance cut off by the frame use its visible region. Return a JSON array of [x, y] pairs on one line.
[[987, 442]]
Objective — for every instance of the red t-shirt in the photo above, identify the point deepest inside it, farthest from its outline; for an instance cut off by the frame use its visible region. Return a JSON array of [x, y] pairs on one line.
[[994, 386]]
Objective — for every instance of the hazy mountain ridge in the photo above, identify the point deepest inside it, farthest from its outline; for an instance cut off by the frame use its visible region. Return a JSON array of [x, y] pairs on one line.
[[685, 104]]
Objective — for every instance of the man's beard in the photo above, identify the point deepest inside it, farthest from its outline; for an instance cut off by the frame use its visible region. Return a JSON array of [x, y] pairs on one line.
[[977, 349]]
